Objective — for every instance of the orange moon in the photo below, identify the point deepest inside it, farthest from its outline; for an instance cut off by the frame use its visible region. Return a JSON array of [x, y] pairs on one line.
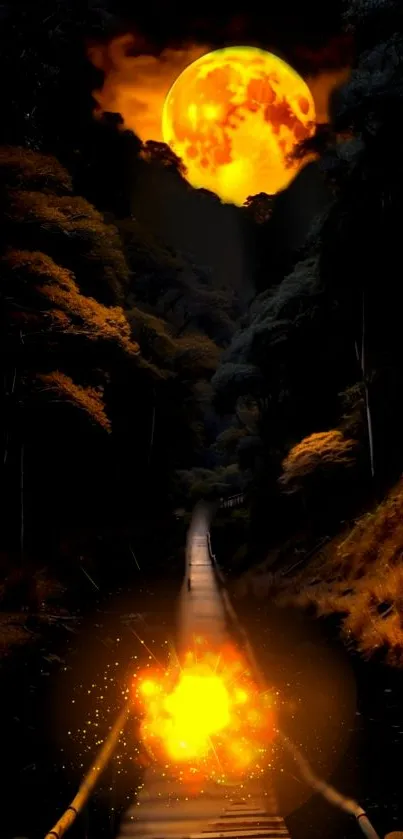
[[233, 117]]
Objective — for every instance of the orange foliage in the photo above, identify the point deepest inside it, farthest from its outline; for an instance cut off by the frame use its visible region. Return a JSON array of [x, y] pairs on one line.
[[71, 223], [25, 169], [72, 311], [360, 577], [194, 354], [319, 451], [87, 399], [197, 353]]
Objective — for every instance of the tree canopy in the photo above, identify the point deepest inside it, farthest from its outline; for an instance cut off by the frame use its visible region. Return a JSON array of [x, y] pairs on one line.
[[86, 363]]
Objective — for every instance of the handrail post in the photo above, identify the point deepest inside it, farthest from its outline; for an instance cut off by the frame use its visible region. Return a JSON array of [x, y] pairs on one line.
[[366, 826]]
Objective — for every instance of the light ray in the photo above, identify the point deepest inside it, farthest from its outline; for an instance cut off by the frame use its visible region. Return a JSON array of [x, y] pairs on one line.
[[145, 646]]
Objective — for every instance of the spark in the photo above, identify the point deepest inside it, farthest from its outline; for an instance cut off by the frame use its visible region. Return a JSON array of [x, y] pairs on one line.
[[217, 662]]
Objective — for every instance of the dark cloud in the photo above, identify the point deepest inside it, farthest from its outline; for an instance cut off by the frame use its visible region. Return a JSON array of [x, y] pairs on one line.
[[305, 33], [331, 55]]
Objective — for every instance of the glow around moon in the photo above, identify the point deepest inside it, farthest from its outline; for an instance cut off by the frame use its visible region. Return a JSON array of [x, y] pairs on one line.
[[233, 117]]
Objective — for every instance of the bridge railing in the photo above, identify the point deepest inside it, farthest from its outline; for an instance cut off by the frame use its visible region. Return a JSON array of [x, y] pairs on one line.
[[91, 778], [232, 500], [318, 785]]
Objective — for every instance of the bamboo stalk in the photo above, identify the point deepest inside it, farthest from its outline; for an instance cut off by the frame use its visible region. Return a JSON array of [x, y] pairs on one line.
[[91, 778]]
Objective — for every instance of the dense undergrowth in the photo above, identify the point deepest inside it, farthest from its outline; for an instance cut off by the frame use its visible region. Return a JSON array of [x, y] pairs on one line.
[[356, 576]]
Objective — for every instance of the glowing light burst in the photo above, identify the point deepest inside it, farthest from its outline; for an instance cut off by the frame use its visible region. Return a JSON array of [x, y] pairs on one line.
[[233, 117], [206, 716]]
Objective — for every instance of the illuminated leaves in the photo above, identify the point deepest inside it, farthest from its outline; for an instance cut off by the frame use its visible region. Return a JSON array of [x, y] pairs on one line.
[[70, 230], [359, 576], [314, 454], [192, 355], [197, 355], [87, 399], [55, 287], [64, 341], [22, 168]]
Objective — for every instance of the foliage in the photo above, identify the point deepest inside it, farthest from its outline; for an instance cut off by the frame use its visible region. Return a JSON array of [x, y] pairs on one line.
[[116, 334], [52, 323], [59, 303], [194, 355], [260, 206], [233, 381], [230, 438], [177, 290], [360, 577], [160, 153], [68, 228], [88, 399], [322, 452], [21, 168], [291, 359], [111, 384], [200, 483], [322, 348]]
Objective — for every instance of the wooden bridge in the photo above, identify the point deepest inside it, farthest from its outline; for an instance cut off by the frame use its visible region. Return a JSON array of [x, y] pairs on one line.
[[165, 807]]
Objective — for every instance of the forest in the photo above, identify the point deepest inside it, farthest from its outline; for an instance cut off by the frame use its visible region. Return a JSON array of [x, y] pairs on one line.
[[160, 347]]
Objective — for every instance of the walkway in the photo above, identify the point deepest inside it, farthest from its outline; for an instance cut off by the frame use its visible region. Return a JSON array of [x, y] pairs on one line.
[[164, 807]]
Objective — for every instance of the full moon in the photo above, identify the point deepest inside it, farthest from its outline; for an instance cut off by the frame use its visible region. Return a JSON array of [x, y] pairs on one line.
[[233, 117]]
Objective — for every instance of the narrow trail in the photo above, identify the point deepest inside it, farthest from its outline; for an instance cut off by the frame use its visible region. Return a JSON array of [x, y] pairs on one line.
[[165, 806]]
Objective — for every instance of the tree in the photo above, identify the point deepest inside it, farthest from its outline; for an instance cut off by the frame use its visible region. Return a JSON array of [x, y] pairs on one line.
[[229, 439], [322, 349], [292, 361], [316, 457], [364, 164], [373, 21], [174, 288], [61, 347], [201, 483], [41, 210], [93, 390], [260, 207], [284, 358], [231, 381], [162, 155]]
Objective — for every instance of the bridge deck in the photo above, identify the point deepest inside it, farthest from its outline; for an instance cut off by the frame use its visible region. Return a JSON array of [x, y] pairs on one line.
[[166, 808]]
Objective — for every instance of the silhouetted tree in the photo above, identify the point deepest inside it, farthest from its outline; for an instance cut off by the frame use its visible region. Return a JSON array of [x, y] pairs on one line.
[[162, 155], [60, 346], [322, 349], [92, 391]]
